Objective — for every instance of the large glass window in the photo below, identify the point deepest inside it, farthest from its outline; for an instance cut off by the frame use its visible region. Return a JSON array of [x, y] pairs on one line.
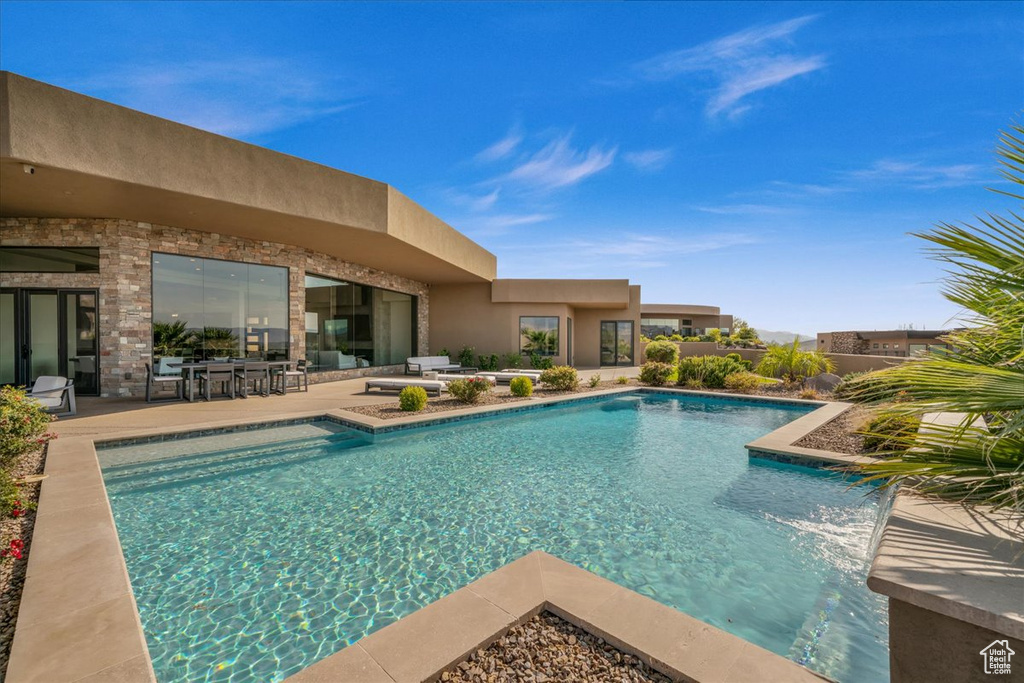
[[652, 327], [616, 342], [207, 308], [49, 260], [349, 325], [538, 334]]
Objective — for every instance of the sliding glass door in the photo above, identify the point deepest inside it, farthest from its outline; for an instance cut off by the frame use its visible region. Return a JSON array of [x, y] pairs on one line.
[[49, 332], [616, 342]]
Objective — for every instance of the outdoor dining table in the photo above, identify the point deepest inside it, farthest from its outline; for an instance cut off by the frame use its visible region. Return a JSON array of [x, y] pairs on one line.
[[189, 369]]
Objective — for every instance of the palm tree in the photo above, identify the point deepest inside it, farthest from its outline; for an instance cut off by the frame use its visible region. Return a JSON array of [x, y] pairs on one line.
[[170, 338], [978, 459], [791, 363], [539, 341]]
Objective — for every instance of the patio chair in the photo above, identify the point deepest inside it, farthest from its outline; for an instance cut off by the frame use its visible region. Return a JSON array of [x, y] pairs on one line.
[[158, 381], [255, 373], [217, 372], [55, 394], [300, 373]]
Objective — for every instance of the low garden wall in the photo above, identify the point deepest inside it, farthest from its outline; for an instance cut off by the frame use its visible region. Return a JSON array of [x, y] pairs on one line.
[[845, 362]]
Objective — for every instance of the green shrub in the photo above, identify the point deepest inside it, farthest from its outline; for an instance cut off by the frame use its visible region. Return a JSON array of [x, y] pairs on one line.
[[662, 352], [660, 337], [521, 386], [887, 432], [809, 394], [694, 383], [468, 390], [466, 356], [622, 379], [11, 503], [655, 373], [512, 360], [412, 399], [595, 379], [444, 352], [561, 378], [742, 382], [539, 362], [708, 371], [23, 425], [488, 363], [676, 338], [739, 359], [691, 339]]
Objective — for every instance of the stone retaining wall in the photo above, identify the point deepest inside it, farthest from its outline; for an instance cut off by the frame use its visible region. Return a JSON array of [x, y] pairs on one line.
[[125, 284]]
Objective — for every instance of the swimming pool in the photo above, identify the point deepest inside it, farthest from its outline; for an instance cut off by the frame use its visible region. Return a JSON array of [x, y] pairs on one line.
[[254, 554]]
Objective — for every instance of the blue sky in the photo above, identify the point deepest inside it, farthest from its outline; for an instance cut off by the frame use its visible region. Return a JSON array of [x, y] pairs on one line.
[[769, 158]]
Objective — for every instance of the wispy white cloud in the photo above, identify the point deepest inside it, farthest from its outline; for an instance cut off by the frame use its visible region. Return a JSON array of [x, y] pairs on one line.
[[473, 202], [649, 159], [745, 209], [917, 174], [558, 164], [503, 147], [502, 223], [236, 97], [743, 63]]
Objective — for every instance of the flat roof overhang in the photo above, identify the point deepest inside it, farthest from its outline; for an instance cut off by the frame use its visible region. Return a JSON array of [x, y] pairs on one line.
[[678, 309], [93, 159], [611, 294]]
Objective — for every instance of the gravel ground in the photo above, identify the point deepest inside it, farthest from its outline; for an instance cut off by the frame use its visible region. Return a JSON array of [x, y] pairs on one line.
[[549, 649], [839, 435], [12, 572]]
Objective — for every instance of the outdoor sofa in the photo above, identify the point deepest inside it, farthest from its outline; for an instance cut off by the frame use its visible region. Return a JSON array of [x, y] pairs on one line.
[[398, 383], [417, 365]]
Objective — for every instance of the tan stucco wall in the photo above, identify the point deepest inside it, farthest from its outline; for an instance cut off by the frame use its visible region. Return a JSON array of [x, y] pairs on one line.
[[465, 315], [578, 293], [925, 647]]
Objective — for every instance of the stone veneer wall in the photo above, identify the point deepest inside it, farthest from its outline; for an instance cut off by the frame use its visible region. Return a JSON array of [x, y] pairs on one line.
[[847, 342], [125, 278]]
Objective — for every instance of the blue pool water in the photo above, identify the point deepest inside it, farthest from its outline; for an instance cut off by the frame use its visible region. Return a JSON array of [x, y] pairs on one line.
[[251, 560]]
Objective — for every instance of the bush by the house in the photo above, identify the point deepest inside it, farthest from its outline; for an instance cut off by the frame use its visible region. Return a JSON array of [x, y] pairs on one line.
[[412, 399], [561, 378], [23, 425], [466, 356], [742, 382], [521, 386], [706, 371], [468, 390], [676, 338], [539, 362], [512, 360], [662, 352], [622, 379], [487, 363], [739, 359], [655, 374], [595, 379]]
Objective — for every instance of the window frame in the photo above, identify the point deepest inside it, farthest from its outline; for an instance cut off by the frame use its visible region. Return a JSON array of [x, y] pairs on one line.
[[558, 335]]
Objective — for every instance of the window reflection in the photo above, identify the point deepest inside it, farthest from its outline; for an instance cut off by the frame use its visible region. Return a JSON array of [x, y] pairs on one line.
[[538, 334], [207, 308]]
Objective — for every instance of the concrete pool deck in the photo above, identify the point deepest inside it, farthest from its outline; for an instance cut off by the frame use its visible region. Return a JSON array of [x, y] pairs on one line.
[[79, 622]]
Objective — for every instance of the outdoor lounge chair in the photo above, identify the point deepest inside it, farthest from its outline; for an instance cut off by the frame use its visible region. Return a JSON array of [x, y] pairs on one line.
[[397, 384], [506, 377], [156, 381], [55, 394], [417, 365]]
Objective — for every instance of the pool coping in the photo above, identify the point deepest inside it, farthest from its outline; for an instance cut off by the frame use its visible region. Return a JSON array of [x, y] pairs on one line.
[[420, 646], [86, 626]]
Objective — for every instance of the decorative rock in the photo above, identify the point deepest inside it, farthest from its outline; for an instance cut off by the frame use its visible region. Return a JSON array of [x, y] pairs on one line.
[[826, 382]]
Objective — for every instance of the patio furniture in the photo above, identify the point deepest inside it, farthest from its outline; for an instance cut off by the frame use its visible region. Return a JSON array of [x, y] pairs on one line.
[[55, 394], [255, 372], [217, 372], [507, 377], [448, 377], [397, 384], [157, 381], [417, 365], [281, 374]]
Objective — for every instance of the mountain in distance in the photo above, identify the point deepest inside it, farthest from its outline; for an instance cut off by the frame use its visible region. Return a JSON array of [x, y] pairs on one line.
[[781, 336]]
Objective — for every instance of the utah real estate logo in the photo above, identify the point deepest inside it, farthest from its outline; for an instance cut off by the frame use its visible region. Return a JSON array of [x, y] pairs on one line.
[[997, 657]]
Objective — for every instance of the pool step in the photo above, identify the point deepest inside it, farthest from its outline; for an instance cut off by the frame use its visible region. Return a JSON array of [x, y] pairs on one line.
[[175, 461], [190, 469]]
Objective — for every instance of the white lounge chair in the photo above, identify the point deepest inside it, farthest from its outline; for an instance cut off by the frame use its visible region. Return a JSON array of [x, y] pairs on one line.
[[396, 384], [507, 377], [55, 394], [417, 365]]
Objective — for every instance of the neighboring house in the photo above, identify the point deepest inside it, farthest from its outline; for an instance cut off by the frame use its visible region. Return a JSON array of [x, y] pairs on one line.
[[881, 342], [683, 319], [126, 238]]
